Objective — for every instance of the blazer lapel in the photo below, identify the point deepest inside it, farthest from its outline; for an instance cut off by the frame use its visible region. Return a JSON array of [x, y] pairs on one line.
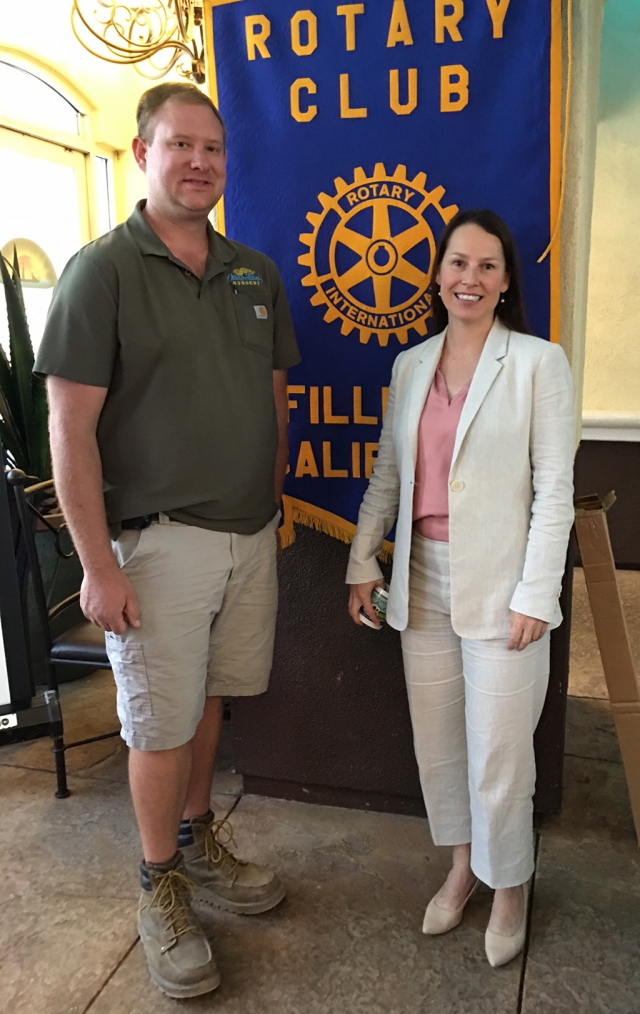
[[421, 378], [488, 368]]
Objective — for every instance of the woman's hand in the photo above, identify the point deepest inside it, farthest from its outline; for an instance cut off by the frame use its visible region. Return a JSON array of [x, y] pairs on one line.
[[524, 630], [360, 595]]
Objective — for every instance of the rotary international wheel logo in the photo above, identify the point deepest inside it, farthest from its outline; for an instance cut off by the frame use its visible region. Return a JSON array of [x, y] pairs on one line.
[[371, 252]]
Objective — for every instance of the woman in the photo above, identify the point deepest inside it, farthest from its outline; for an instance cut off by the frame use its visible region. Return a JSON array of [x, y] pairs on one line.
[[475, 464]]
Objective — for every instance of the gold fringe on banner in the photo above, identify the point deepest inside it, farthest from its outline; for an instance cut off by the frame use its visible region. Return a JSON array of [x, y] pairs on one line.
[[565, 142], [300, 512]]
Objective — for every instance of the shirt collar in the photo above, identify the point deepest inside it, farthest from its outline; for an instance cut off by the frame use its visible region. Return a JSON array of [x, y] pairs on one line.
[[221, 251]]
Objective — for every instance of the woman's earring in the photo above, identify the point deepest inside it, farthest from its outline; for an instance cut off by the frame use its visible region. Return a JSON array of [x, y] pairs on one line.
[[502, 299]]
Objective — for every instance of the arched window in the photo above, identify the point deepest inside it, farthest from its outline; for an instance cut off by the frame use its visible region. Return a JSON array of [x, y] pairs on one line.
[[56, 184], [28, 99]]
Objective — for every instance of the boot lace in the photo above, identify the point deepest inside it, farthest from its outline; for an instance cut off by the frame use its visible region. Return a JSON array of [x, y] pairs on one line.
[[171, 898], [218, 836]]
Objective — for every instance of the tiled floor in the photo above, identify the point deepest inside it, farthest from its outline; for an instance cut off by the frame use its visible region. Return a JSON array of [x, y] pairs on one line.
[[347, 940]]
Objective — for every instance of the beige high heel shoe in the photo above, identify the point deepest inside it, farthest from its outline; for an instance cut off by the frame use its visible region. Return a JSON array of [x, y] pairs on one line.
[[501, 949], [440, 920]]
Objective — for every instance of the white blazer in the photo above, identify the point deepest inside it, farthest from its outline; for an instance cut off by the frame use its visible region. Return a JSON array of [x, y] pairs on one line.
[[510, 484]]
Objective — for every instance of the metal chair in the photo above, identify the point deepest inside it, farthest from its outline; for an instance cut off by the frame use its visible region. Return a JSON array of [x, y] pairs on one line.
[[82, 644]]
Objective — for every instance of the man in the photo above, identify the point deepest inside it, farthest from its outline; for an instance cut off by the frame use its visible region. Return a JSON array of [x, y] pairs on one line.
[[166, 353]]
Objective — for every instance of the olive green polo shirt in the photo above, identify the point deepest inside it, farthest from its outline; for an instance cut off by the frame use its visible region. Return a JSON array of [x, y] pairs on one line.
[[188, 425]]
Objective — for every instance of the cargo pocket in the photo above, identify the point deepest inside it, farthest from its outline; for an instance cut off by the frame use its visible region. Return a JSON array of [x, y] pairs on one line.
[[130, 674]]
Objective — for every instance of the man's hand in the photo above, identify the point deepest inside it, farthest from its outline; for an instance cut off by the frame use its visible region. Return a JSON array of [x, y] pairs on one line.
[[360, 596], [108, 600], [524, 630]]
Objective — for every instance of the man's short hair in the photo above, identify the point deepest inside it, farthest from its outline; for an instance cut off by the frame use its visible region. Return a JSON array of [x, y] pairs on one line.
[[154, 98]]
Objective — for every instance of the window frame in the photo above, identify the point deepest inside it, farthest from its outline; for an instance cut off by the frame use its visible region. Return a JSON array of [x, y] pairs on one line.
[[82, 142]]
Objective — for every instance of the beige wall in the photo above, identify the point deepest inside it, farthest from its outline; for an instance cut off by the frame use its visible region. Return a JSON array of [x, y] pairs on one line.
[[41, 30], [612, 360], [581, 154], [612, 364]]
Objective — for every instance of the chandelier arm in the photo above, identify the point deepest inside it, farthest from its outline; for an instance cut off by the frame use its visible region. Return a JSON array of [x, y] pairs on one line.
[[185, 26], [141, 15], [143, 19], [176, 55], [133, 60], [121, 61], [140, 50], [112, 47], [149, 70], [170, 17]]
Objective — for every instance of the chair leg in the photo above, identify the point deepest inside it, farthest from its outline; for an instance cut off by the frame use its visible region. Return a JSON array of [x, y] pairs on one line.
[[57, 735], [62, 792]]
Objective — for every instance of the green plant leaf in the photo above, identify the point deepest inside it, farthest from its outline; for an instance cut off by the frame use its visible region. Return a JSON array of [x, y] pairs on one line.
[[23, 399], [9, 444], [22, 358], [17, 446], [16, 274], [7, 386]]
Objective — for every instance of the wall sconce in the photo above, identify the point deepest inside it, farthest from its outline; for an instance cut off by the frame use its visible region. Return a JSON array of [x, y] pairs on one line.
[[35, 267]]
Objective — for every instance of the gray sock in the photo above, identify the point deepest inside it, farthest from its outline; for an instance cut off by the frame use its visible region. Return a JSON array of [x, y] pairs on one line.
[[147, 868]]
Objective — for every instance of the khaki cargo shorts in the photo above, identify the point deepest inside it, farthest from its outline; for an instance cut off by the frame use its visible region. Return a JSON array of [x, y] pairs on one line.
[[208, 603]]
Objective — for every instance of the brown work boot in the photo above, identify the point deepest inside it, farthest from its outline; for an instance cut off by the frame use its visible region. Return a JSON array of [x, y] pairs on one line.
[[221, 879], [178, 953]]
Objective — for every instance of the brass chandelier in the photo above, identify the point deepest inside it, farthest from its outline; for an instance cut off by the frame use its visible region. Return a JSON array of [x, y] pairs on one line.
[[155, 36]]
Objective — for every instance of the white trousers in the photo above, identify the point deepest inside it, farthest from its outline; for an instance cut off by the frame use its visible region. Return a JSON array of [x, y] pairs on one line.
[[474, 709]]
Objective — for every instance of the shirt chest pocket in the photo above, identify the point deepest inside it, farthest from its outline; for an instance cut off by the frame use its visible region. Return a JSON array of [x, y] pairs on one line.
[[255, 324]]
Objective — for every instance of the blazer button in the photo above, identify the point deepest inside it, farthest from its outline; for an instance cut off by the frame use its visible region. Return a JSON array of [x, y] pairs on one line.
[[457, 485]]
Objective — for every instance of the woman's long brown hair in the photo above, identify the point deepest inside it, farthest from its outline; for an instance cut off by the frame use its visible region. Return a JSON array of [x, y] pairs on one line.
[[511, 312]]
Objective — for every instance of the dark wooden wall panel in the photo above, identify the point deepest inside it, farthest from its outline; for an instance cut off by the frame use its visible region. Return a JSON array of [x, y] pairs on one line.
[[603, 465], [334, 726]]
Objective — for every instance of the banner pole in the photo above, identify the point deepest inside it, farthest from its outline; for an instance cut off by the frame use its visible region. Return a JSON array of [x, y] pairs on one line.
[[212, 82], [556, 166]]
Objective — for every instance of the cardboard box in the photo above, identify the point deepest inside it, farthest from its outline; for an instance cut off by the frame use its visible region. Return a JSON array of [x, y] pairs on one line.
[[613, 640]]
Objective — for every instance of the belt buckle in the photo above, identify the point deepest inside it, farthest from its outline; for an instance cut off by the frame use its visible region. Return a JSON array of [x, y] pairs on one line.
[[137, 524]]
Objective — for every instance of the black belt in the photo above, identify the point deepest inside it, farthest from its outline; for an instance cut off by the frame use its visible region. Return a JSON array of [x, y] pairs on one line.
[[141, 522]]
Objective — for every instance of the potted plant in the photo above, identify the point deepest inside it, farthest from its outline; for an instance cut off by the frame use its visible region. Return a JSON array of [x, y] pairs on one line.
[[24, 433], [24, 416]]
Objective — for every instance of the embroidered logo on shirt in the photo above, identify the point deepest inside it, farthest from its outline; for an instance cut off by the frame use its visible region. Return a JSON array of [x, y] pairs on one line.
[[261, 312], [244, 276]]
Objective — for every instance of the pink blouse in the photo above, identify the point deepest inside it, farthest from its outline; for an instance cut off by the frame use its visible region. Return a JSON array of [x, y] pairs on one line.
[[436, 440]]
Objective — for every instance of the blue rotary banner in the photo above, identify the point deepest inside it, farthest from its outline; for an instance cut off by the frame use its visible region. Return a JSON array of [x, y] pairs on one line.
[[355, 133]]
